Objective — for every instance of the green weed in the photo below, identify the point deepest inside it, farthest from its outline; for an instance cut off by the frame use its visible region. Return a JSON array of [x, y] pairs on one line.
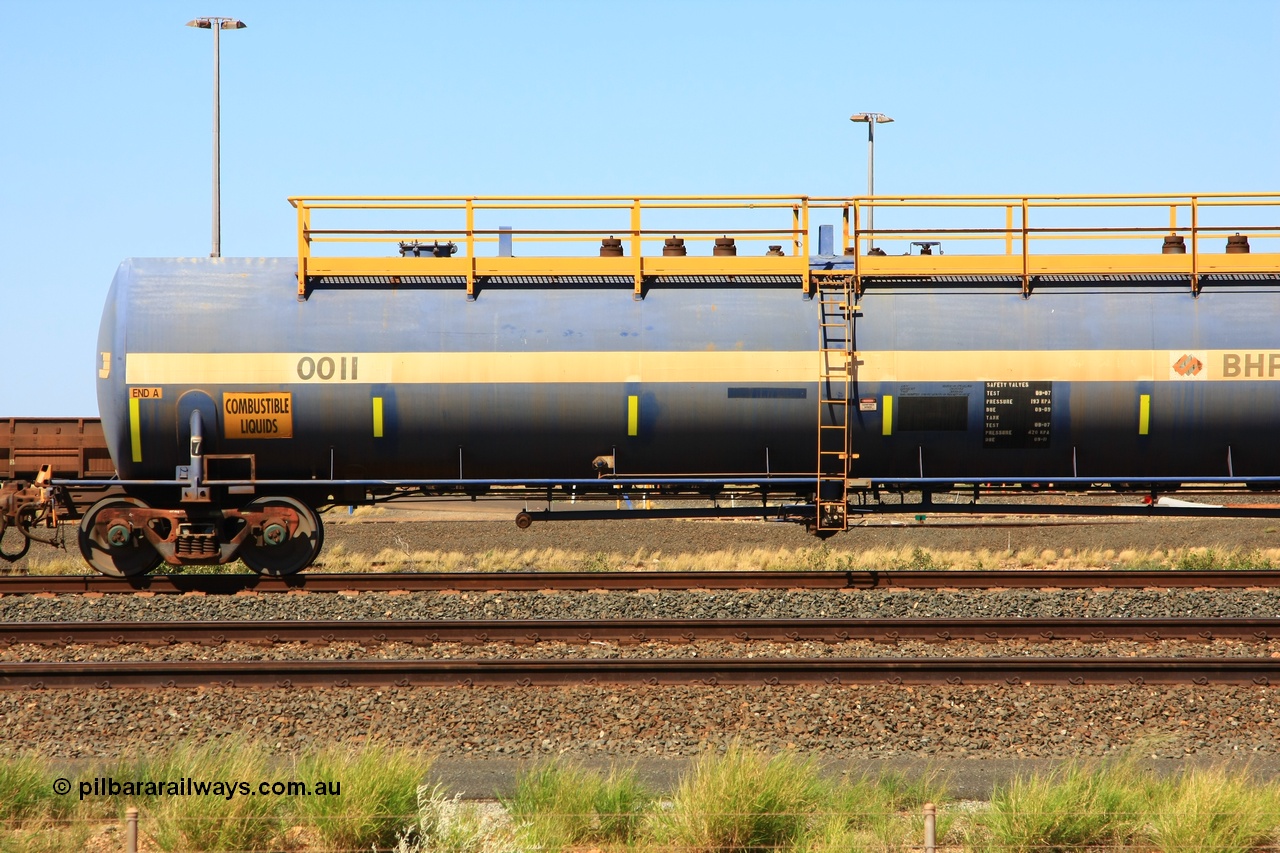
[[26, 794], [1212, 811], [597, 562], [375, 801], [1206, 559], [919, 561], [742, 801], [558, 807], [1075, 808]]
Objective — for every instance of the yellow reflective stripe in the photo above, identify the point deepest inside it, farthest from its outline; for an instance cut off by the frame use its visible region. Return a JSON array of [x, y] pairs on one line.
[[1144, 414], [135, 429], [887, 424], [633, 415], [705, 366], [731, 366], [377, 417]]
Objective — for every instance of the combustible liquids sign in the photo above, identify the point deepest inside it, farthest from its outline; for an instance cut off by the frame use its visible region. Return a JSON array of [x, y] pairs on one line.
[[267, 415]]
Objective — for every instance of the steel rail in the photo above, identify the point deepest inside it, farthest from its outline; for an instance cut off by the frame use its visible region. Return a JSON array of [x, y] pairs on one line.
[[455, 673], [230, 584], [423, 632]]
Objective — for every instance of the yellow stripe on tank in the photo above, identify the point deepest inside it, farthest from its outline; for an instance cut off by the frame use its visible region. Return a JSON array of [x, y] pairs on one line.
[[704, 366], [886, 426], [1144, 414], [633, 415], [377, 417], [468, 368], [135, 429]]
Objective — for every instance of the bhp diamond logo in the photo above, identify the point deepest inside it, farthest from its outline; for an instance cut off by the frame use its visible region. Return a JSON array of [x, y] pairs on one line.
[[1188, 366]]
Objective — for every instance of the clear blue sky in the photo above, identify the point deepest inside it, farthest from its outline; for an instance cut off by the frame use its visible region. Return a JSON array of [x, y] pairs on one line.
[[105, 149]]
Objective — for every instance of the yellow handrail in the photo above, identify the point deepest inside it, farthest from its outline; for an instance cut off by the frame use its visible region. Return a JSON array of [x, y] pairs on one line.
[[1028, 220]]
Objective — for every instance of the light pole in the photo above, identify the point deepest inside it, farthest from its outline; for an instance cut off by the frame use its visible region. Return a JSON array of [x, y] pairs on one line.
[[871, 119], [216, 24]]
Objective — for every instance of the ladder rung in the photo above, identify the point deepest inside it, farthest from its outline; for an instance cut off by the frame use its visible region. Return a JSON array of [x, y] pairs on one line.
[[836, 310]]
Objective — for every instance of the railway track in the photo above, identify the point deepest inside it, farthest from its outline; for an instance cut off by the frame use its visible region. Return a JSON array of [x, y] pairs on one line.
[[635, 631], [1008, 670], [705, 672], [230, 584]]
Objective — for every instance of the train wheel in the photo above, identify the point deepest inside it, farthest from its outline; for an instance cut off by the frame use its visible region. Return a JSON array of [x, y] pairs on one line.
[[118, 552], [289, 557]]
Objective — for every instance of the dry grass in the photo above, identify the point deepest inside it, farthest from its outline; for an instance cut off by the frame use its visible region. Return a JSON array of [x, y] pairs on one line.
[[336, 558], [780, 559], [42, 560]]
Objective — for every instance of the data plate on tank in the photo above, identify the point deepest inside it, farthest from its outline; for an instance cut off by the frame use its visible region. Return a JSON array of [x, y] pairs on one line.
[[257, 415], [1018, 415]]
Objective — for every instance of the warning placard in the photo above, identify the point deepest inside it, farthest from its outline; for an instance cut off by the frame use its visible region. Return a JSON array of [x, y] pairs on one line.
[[268, 415]]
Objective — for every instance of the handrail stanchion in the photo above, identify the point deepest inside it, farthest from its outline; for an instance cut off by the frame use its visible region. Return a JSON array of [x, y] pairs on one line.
[[795, 229], [304, 246], [857, 251], [1008, 229], [804, 241], [845, 239], [471, 248], [1026, 275], [1195, 246], [637, 244]]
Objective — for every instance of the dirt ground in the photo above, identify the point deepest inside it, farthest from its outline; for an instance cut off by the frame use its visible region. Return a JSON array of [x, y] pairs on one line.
[[478, 528]]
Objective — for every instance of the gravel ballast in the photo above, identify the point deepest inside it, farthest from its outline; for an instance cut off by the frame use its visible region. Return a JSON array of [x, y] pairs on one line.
[[655, 604], [606, 722], [600, 721]]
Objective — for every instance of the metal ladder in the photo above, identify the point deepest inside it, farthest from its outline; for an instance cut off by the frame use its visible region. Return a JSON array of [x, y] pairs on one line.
[[836, 357]]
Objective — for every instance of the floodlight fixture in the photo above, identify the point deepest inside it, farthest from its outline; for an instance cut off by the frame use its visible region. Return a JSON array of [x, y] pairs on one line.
[[216, 24], [871, 120]]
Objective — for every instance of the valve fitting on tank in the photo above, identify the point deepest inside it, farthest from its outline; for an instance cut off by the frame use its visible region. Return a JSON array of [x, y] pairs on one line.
[[1174, 244], [1237, 244], [774, 251], [673, 247], [610, 247], [724, 248], [434, 249]]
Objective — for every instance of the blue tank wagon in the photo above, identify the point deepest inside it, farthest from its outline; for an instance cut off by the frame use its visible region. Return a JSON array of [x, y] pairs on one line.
[[238, 396]]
